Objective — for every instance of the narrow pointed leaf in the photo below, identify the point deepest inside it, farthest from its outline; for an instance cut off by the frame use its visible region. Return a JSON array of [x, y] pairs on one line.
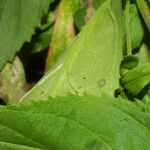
[[145, 11], [63, 32], [136, 27]]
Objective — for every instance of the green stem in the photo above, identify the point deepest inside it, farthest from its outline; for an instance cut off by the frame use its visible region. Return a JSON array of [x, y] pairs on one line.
[[127, 27], [144, 9]]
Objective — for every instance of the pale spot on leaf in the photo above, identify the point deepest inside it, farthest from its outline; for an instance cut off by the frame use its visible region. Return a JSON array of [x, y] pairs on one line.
[[101, 82]]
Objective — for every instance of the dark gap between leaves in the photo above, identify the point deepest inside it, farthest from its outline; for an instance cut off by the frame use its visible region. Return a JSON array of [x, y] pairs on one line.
[[3, 102]]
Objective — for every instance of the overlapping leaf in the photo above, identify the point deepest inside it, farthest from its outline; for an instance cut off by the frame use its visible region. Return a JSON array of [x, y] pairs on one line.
[[75, 123], [18, 18], [136, 79]]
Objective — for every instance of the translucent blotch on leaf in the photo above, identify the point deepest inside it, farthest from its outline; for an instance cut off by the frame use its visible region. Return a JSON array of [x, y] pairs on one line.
[[101, 82]]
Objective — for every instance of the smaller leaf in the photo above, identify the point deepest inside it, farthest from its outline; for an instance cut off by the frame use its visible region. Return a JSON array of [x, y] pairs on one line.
[[144, 54], [86, 11], [146, 99], [79, 17], [136, 79], [42, 41], [145, 11], [130, 62], [63, 32], [48, 20], [97, 3], [12, 81], [137, 28]]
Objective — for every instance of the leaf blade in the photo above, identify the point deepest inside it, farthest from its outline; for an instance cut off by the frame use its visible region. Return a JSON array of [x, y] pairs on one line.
[[68, 123], [136, 79], [17, 22], [83, 66]]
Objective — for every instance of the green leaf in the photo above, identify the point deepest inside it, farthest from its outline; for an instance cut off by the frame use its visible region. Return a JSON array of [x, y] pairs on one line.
[[146, 99], [127, 28], [136, 27], [41, 40], [97, 3], [75, 123], [86, 11], [18, 18], [145, 11], [130, 62], [136, 79], [143, 54], [63, 32], [91, 63], [79, 17]]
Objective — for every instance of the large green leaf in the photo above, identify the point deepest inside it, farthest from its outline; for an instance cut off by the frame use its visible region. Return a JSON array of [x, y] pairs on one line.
[[91, 64], [18, 18], [136, 79], [76, 123]]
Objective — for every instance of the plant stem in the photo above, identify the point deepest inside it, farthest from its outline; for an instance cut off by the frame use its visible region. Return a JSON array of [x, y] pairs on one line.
[[127, 27], [144, 9]]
